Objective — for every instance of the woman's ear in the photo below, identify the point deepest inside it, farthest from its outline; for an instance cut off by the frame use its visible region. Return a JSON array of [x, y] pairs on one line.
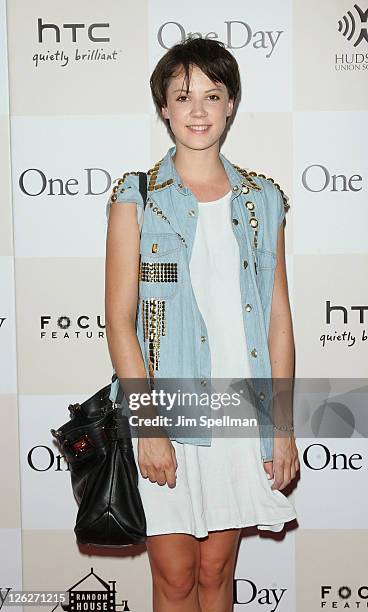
[[165, 112], [230, 107]]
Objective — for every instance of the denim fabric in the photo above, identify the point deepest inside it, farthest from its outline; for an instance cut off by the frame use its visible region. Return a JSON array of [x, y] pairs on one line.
[[170, 220]]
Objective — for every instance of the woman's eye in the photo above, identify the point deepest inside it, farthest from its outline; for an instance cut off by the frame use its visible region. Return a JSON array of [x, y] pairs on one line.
[[213, 97]]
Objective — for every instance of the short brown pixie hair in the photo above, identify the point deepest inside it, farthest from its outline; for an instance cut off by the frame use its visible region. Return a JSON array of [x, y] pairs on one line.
[[208, 54]]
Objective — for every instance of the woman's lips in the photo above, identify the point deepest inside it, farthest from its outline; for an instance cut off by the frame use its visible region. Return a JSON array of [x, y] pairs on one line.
[[198, 129]]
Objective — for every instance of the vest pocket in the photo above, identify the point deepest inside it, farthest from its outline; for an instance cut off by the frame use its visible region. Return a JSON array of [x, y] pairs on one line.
[[265, 272], [159, 266], [266, 260]]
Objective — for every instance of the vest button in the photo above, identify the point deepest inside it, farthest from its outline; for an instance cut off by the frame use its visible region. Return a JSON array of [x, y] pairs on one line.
[[254, 352], [253, 222], [245, 189], [203, 382], [249, 205], [248, 307], [236, 188], [180, 185], [245, 263], [191, 212], [261, 395], [235, 221], [203, 338]]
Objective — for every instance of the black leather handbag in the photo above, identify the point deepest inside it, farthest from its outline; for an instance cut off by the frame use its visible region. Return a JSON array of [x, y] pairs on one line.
[[97, 444]]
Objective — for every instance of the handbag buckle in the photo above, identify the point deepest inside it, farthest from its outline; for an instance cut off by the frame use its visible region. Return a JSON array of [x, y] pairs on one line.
[[81, 445]]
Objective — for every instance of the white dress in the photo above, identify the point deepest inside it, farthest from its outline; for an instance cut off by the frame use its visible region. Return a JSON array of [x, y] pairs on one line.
[[224, 485]]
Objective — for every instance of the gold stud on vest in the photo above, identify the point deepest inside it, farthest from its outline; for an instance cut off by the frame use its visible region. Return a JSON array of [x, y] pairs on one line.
[[268, 178]]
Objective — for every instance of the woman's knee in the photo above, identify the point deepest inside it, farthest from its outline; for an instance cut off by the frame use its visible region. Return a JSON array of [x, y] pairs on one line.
[[176, 583], [213, 572], [174, 564], [217, 558]]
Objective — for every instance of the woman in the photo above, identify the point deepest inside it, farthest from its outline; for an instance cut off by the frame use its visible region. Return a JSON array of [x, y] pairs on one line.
[[184, 301]]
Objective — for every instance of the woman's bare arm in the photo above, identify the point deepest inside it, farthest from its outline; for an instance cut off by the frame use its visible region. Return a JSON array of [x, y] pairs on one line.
[[282, 355], [156, 455], [121, 290], [280, 336]]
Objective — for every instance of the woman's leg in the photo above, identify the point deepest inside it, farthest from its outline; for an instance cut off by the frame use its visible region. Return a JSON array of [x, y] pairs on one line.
[[174, 560], [216, 572]]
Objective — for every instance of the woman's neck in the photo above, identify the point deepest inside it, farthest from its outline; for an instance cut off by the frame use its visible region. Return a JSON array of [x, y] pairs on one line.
[[199, 166], [202, 172]]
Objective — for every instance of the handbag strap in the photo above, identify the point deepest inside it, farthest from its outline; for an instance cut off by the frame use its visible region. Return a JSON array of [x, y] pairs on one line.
[[143, 186]]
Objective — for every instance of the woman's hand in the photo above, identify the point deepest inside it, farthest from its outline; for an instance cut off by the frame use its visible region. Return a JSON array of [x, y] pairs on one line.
[[285, 462], [157, 460]]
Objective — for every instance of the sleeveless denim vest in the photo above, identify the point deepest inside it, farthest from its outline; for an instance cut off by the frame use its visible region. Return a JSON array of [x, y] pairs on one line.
[[171, 331]]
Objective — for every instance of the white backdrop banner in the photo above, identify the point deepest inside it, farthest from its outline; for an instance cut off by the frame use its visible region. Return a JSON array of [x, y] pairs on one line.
[[75, 114]]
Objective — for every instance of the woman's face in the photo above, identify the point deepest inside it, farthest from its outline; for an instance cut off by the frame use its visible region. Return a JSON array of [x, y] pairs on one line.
[[197, 119]]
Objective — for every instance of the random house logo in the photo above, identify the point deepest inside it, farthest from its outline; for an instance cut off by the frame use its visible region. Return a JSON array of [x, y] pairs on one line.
[[78, 327], [338, 315], [353, 26], [61, 44], [92, 593]]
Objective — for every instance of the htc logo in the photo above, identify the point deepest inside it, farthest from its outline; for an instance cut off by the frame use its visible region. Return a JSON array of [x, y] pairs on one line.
[[344, 311], [74, 31]]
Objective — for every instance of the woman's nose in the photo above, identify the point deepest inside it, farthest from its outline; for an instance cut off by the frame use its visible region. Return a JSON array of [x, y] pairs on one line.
[[198, 109]]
